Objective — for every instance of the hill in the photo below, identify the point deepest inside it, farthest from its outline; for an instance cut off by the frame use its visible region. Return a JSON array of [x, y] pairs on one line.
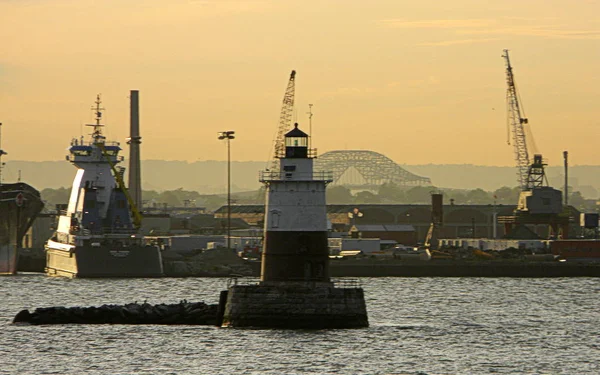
[[209, 177]]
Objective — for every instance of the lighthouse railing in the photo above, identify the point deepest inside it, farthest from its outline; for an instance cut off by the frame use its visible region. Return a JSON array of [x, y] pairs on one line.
[[347, 283], [266, 176]]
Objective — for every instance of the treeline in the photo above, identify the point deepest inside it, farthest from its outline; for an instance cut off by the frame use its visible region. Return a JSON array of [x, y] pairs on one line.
[[150, 198], [387, 193]]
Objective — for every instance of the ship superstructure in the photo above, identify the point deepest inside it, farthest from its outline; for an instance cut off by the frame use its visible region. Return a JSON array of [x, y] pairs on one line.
[[97, 235]]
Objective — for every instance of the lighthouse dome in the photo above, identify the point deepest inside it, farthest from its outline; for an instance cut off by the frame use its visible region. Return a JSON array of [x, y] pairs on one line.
[[296, 133]]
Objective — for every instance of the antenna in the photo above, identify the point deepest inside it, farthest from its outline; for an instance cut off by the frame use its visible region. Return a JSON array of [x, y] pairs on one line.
[[310, 115], [97, 133]]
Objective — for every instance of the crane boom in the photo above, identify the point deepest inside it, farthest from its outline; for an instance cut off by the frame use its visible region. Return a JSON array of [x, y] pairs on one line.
[[285, 119], [517, 124], [135, 213]]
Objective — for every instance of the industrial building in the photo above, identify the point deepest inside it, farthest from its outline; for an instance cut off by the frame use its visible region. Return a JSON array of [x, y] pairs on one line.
[[460, 221]]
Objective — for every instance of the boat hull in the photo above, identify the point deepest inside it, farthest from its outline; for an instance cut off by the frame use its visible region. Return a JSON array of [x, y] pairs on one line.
[[103, 261], [8, 259], [19, 206]]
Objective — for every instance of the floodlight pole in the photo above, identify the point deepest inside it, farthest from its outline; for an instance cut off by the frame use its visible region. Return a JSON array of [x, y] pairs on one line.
[[228, 136]]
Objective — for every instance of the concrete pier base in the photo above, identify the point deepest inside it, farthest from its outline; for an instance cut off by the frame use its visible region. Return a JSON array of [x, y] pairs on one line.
[[295, 305]]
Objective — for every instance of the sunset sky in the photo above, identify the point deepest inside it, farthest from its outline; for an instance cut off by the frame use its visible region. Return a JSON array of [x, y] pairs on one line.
[[418, 81]]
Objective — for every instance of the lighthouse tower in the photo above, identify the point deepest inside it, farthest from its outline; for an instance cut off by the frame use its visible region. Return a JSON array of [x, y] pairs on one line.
[[295, 245], [295, 290]]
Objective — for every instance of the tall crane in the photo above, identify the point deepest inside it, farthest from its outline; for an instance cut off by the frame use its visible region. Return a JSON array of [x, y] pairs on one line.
[[285, 119], [517, 125]]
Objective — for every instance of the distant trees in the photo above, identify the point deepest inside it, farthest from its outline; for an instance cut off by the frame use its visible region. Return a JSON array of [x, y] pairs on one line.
[[455, 197], [478, 196], [52, 197], [339, 195], [173, 198], [387, 193], [419, 194], [506, 195], [366, 197], [577, 200]]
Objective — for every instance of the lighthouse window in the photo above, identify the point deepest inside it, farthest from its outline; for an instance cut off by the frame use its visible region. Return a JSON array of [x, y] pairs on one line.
[[289, 168], [275, 219], [296, 142]]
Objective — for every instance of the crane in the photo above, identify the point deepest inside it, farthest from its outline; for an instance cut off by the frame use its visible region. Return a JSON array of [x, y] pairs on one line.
[[517, 124], [538, 203], [285, 119], [531, 174], [118, 173]]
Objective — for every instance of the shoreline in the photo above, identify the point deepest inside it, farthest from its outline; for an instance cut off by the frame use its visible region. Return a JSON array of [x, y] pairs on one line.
[[227, 266]]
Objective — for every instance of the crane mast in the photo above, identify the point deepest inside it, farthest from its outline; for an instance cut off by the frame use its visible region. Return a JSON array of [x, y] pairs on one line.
[[285, 119], [517, 125]]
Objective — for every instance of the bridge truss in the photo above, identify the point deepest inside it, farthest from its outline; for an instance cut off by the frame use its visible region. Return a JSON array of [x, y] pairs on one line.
[[366, 169]]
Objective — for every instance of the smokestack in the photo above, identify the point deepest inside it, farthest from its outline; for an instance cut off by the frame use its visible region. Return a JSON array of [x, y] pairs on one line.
[[134, 140], [566, 156], [437, 220], [437, 208]]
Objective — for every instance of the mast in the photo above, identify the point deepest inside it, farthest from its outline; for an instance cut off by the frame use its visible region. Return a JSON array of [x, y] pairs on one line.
[[97, 127], [517, 125]]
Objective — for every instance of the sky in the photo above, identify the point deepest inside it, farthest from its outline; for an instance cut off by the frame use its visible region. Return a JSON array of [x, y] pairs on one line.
[[418, 81]]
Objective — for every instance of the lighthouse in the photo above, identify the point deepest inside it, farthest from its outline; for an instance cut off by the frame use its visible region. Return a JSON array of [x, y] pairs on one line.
[[295, 241], [295, 290]]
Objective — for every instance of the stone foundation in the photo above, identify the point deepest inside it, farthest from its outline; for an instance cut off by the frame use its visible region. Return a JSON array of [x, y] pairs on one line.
[[294, 305]]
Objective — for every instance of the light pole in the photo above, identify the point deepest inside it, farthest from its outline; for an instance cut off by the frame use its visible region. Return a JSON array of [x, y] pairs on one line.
[[228, 136]]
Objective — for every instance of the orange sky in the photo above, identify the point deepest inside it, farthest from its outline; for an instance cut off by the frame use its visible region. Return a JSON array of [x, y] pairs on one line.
[[419, 81]]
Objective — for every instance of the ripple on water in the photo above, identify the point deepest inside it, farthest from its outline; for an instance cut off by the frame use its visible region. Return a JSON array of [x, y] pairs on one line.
[[418, 325]]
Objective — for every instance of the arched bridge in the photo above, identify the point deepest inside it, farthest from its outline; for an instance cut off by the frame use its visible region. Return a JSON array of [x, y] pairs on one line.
[[363, 168]]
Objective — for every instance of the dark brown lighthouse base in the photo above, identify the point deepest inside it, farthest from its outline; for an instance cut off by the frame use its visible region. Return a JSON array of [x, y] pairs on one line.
[[293, 305]]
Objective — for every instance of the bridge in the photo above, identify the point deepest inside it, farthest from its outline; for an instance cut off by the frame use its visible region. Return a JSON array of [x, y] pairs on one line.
[[363, 169]]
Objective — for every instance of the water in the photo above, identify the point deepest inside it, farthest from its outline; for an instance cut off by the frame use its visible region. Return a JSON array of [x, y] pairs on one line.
[[418, 326]]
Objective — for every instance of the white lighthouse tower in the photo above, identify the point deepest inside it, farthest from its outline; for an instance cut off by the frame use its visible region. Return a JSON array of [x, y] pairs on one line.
[[295, 245], [295, 290]]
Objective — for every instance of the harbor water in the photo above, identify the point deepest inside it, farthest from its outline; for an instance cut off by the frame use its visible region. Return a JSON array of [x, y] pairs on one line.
[[417, 326]]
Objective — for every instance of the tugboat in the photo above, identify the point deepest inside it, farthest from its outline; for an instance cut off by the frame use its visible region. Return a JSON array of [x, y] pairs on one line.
[[97, 236], [19, 206]]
